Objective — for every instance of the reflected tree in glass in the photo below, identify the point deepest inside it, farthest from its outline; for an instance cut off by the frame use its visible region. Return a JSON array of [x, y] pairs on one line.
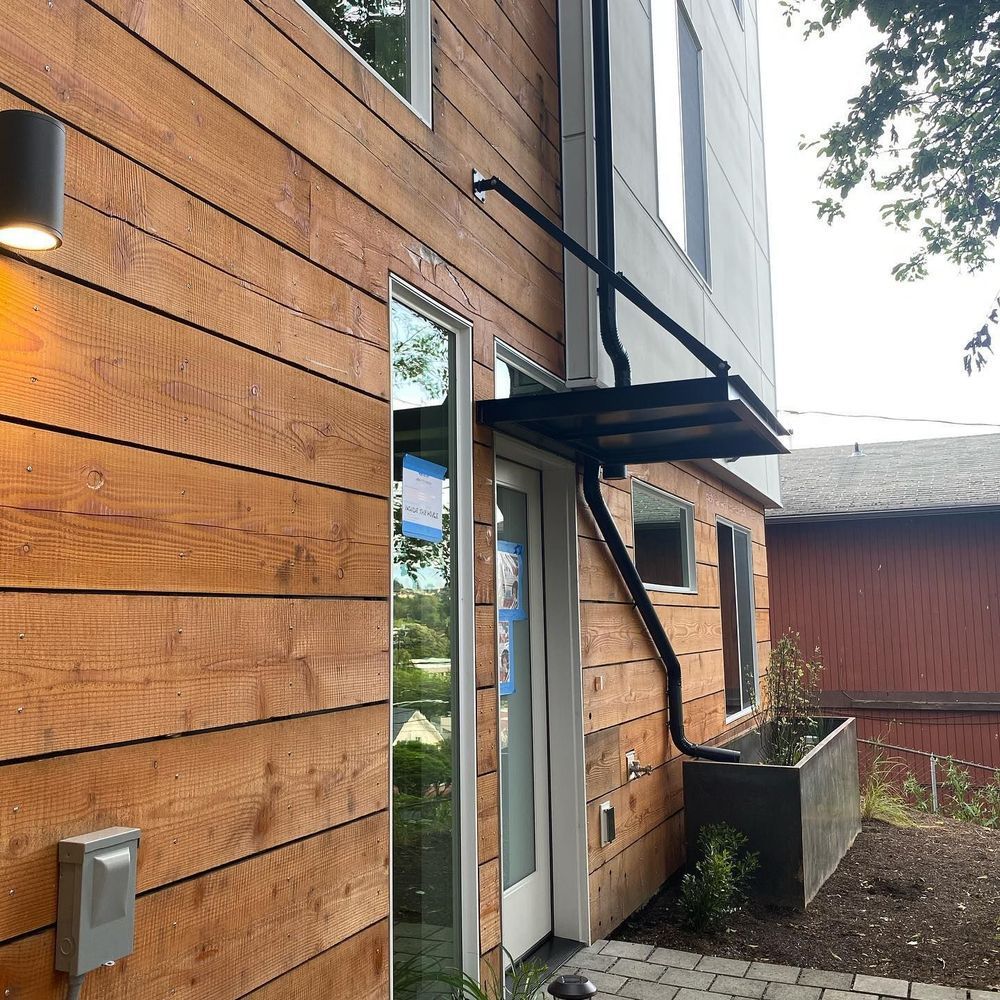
[[424, 637], [378, 30]]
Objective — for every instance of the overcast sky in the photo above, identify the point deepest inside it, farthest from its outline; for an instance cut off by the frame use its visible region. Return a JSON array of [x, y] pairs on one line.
[[848, 337]]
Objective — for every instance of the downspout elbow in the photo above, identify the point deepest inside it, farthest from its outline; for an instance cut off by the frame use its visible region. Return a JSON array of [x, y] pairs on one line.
[[647, 611]]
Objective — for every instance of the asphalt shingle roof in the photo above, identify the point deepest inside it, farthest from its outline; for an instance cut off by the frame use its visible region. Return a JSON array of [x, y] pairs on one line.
[[888, 477]]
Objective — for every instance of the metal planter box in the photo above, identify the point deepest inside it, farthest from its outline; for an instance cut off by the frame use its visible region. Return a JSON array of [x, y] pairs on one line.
[[802, 820]]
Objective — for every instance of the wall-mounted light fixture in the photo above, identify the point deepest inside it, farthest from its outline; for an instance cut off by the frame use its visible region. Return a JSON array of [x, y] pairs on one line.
[[32, 176]]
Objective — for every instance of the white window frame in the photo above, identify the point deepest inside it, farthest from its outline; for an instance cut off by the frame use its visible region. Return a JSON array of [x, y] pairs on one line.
[[679, 240], [464, 594], [420, 101], [515, 359], [691, 563], [743, 530]]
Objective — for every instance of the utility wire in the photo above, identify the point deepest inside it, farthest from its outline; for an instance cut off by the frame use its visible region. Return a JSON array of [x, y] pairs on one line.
[[880, 416]]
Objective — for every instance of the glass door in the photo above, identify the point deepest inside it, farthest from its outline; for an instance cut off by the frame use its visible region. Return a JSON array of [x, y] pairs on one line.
[[524, 759]]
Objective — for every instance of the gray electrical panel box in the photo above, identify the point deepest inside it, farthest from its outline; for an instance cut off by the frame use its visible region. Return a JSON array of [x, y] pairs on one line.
[[96, 920]]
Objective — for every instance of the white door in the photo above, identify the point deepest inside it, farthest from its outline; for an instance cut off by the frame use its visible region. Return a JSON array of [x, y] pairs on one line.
[[524, 759]]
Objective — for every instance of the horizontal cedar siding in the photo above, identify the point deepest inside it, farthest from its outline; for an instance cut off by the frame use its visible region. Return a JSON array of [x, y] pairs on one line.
[[624, 689], [194, 409]]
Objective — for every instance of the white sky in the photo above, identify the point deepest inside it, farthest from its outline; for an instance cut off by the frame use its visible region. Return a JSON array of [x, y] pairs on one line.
[[848, 337]]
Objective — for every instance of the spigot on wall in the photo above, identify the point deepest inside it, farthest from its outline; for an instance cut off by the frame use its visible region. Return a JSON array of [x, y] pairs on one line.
[[635, 769]]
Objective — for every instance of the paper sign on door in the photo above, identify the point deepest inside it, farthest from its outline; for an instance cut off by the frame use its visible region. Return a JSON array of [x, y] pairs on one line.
[[423, 491]]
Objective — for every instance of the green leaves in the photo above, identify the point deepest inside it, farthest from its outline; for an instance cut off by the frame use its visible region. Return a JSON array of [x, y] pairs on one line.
[[924, 128], [716, 890], [786, 719]]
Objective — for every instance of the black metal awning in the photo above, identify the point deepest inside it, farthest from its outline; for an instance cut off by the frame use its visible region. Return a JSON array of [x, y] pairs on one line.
[[714, 417]]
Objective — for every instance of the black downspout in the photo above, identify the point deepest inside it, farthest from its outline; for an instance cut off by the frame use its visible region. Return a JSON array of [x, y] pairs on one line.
[[647, 611], [605, 183], [611, 340]]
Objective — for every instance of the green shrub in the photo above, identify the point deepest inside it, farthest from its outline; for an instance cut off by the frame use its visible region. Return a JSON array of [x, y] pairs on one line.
[[916, 793], [787, 717], [716, 889], [963, 801]]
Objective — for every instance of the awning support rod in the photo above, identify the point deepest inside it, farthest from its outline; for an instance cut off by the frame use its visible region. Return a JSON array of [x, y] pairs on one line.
[[647, 611], [617, 280]]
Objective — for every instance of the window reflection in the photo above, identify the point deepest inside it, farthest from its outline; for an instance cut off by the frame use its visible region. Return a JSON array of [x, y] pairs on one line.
[[424, 643], [378, 30]]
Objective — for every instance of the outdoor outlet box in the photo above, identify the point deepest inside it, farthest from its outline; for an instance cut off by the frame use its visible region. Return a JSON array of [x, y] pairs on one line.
[[607, 823], [96, 917]]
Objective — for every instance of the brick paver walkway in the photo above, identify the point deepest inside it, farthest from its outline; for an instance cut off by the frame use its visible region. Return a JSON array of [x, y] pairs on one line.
[[641, 972]]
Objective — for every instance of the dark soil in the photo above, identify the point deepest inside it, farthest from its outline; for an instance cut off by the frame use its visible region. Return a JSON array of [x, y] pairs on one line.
[[919, 903]]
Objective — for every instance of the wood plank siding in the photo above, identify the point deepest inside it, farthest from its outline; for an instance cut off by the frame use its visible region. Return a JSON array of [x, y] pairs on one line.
[[624, 688], [195, 421], [906, 612]]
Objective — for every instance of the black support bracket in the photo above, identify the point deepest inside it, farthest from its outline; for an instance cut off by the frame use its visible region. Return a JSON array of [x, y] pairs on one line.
[[708, 357]]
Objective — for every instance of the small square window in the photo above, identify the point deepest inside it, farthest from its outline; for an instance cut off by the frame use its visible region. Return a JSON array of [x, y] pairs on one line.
[[663, 528], [392, 37]]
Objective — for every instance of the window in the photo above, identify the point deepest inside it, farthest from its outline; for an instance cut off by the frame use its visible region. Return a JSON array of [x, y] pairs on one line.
[[432, 751], [663, 528], [515, 375], [680, 131], [393, 37], [739, 646]]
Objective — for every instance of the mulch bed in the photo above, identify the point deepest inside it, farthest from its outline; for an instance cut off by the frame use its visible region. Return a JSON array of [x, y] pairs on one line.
[[909, 903]]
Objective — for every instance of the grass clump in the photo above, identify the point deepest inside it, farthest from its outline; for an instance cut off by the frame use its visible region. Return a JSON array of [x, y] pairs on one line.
[[880, 797], [716, 890]]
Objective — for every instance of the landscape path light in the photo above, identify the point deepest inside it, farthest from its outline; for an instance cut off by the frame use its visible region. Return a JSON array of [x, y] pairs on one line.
[[570, 987]]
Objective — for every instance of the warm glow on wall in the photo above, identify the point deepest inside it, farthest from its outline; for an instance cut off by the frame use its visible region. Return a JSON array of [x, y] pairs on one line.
[[32, 168]]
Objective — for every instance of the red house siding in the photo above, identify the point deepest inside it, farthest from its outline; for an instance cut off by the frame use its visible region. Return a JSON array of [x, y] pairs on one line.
[[904, 609]]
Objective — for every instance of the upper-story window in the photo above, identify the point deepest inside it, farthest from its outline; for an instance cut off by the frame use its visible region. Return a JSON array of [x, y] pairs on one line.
[[680, 131], [393, 37]]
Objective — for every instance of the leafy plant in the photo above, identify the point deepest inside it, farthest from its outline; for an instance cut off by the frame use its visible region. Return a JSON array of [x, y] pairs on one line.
[[916, 793], [923, 130], [524, 981], [787, 716], [880, 798], [716, 889], [968, 803]]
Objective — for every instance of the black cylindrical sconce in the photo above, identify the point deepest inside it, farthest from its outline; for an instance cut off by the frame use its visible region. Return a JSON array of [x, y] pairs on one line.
[[32, 177], [570, 987]]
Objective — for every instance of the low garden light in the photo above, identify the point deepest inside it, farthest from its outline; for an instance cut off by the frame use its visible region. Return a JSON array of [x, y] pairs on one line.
[[570, 987], [32, 177]]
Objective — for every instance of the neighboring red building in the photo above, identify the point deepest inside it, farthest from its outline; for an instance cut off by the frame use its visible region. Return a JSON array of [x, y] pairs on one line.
[[888, 559]]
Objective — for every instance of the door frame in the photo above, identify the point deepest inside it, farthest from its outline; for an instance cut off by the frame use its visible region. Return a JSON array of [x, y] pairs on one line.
[[567, 761], [531, 925]]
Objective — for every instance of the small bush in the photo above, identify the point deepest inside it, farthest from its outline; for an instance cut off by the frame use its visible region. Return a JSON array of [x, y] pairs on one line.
[[964, 801], [916, 793], [787, 717], [716, 889], [880, 798]]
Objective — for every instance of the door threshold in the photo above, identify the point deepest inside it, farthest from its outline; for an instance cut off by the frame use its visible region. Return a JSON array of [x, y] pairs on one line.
[[554, 953]]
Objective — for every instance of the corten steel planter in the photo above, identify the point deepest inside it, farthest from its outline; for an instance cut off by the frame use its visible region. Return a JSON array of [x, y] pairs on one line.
[[801, 820]]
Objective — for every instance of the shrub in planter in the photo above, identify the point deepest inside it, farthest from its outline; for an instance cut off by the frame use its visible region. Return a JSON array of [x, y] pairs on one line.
[[786, 717], [716, 889]]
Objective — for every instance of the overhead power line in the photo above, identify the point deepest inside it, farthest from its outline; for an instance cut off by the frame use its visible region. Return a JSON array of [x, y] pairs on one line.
[[882, 416]]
